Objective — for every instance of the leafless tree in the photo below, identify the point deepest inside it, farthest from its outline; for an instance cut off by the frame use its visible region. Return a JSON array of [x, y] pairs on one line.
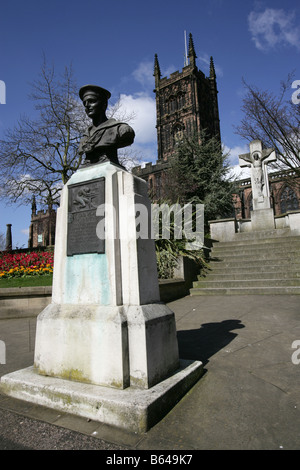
[[275, 120], [118, 112], [40, 154]]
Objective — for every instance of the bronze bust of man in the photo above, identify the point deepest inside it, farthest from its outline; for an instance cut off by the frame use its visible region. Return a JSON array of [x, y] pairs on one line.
[[102, 139]]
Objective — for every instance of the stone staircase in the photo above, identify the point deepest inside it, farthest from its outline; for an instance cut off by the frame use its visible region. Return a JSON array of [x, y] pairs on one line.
[[257, 263]]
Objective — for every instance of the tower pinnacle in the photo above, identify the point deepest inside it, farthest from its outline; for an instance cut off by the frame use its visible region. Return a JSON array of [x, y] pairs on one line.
[[157, 73], [33, 205], [192, 54], [212, 72]]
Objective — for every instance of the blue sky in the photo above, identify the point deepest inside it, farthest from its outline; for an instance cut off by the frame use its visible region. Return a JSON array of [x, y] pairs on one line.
[[113, 43]]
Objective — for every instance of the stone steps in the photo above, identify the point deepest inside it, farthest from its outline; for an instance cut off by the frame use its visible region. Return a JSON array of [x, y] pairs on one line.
[[263, 235], [260, 238], [240, 262], [285, 245], [292, 256], [247, 291], [244, 275], [277, 282], [264, 264], [221, 268]]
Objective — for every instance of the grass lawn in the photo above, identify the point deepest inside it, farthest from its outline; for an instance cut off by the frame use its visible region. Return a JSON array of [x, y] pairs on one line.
[[27, 281]]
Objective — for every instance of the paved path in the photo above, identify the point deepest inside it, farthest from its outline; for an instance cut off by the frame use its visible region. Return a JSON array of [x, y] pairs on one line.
[[248, 398]]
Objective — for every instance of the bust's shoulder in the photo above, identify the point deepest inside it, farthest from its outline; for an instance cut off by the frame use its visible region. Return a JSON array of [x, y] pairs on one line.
[[111, 122], [115, 123], [119, 126]]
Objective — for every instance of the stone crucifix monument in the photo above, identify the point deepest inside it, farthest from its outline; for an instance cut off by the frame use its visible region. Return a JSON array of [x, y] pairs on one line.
[[106, 347], [262, 216]]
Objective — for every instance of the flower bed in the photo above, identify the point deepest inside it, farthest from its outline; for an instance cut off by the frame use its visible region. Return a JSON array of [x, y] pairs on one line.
[[25, 264]]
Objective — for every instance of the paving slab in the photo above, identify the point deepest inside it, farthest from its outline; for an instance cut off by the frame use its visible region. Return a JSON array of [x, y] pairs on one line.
[[247, 399]]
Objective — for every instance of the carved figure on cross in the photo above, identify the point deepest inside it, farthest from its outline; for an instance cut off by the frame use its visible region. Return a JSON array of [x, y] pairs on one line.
[[257, 160]]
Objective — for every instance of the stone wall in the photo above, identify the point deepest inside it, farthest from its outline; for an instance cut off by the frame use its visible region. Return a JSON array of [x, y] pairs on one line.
[[30, 301], [225, 230], [24, 301]]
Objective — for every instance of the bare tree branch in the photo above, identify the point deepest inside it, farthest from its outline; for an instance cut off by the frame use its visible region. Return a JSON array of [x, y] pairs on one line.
[[39, 155], [275, 120]]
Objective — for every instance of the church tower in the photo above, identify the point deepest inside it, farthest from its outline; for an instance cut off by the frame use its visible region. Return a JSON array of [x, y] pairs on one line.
[[42, 226], [186, 102]]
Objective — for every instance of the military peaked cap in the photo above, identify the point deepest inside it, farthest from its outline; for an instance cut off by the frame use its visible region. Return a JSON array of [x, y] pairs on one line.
[[96, 89]]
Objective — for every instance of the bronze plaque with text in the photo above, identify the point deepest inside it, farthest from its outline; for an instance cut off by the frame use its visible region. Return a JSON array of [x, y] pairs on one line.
[[84, 198]]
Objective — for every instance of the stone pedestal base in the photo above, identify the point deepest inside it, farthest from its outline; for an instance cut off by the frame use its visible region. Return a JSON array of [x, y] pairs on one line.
[[131, 409], [86, 343], [104, 345], [262, 219]]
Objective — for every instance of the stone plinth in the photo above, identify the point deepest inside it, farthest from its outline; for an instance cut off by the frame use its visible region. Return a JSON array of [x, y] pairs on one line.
[[262, 219], [106, 330], [105, 325]]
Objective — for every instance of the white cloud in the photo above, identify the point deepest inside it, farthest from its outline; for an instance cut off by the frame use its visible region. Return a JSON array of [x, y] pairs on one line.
[[139, 111], [240, 173], [25, 231], [143, 109], [144, 73], [234, 152], [272, 28], [233, 158]]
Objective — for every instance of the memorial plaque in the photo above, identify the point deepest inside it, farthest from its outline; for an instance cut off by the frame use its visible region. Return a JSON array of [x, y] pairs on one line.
[[84, 198]]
